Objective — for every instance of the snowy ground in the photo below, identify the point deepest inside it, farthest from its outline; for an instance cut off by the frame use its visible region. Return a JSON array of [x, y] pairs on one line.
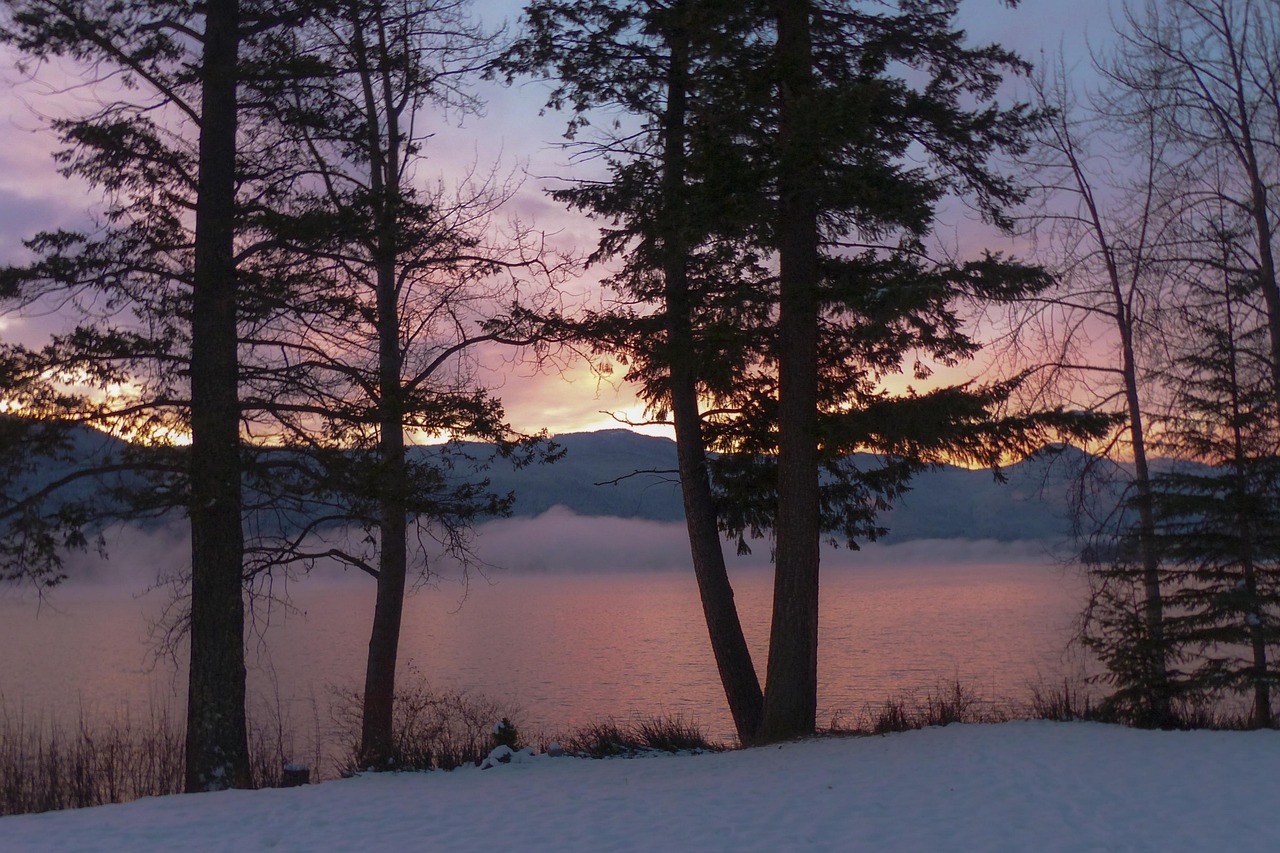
[[1015, 786]]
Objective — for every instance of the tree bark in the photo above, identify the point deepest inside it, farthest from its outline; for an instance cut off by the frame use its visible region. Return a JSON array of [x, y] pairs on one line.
[[1153, 597], [791, 685], [377, 726], [384, 143], [217, 753], [728, 644]]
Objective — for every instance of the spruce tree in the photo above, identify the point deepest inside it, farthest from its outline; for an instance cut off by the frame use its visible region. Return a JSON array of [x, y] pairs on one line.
[[1218, 513]]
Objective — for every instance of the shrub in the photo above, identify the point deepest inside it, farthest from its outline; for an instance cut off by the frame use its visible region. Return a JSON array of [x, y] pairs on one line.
[[432, 729], [611, 739]]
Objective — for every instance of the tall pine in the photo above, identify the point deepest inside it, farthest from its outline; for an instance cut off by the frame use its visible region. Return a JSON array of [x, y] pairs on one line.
[[760, 198]]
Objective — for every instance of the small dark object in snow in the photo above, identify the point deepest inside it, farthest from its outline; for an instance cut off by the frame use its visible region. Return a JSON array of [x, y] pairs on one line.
[[295, 775]]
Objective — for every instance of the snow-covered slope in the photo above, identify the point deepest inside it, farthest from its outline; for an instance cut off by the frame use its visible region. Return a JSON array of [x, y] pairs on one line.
[[1025, 786]]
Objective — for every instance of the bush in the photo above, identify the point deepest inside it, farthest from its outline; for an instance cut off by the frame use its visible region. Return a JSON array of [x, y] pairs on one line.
[[946, 704], [432, 729], [611, 739]]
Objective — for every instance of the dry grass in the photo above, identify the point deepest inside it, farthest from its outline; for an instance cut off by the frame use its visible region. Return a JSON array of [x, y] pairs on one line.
[[945, 704], [45, 765]]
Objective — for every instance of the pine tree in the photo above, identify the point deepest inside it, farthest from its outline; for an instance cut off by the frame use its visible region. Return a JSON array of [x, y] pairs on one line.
[[650, 60], [858, 294], [154, 356], [1218, 514], [397, 284], [816, 182]]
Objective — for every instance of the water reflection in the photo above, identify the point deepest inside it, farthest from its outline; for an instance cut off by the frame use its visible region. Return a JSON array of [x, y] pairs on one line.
[[565, 649]]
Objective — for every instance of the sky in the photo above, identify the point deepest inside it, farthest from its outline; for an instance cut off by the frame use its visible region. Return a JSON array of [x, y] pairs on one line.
[[518, 139]]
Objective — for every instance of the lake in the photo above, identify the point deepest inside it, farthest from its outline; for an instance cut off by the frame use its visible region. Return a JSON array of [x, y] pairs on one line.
[[566, 648]]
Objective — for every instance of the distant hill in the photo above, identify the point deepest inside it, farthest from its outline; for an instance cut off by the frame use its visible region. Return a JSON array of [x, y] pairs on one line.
[[612, 472], [598, 476], [622, 474], [81, 447]]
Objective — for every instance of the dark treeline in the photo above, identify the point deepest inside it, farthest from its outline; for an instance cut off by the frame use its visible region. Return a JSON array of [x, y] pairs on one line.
[[275, 304]]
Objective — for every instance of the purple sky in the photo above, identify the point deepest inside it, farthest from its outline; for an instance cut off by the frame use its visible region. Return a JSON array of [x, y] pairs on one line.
[[33, 196]]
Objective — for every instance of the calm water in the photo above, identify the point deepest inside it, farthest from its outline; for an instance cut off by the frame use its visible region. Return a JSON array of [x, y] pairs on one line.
[[566, 648]]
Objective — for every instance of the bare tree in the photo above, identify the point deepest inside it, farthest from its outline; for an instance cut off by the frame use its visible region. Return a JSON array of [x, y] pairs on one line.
[[1106, 242], [1208, 71]]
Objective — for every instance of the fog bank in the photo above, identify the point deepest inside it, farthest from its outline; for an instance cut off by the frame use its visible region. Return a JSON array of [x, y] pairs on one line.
[[560, 540], [557, 541]]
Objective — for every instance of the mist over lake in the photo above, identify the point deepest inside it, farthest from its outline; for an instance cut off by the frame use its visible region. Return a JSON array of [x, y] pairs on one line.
[[578, 618]]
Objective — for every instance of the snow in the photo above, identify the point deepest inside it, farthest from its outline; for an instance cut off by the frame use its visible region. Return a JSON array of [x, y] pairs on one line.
[[1013, 786]]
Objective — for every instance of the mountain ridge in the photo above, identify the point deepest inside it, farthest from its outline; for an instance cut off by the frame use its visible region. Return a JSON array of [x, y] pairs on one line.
[[603, 473], [623, 474]]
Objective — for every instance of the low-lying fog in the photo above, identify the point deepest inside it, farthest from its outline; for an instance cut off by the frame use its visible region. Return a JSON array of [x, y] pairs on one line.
[[557, 541]]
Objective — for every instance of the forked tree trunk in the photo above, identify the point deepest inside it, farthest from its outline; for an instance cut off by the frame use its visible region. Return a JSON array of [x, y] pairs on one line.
[[217, 752]]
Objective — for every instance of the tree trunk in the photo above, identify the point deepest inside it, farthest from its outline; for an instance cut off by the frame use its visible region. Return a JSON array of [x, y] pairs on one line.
[[217, 753], [1158, 697], [376, 735], [733, 658], [384, 144], [1153, 597], [791, 685]]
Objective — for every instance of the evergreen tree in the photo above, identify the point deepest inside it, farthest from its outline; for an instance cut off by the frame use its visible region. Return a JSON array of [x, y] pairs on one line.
[[851, 91], [397, 284], [650, 61], [723, 165], [1218, 514], [154, 356]]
